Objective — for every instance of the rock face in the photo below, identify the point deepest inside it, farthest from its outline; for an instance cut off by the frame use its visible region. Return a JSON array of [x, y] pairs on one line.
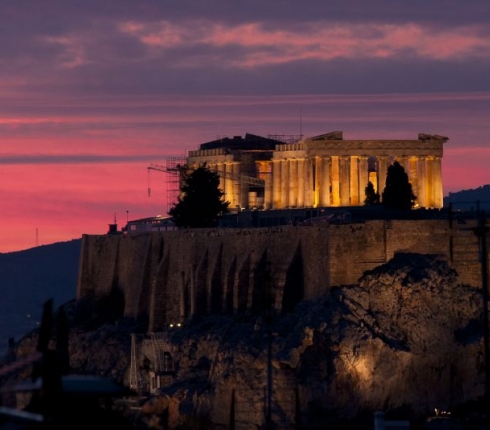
[[409, 335], [406, 339]]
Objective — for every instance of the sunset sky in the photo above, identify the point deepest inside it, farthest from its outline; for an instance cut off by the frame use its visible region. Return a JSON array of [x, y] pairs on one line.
[[94, 91]]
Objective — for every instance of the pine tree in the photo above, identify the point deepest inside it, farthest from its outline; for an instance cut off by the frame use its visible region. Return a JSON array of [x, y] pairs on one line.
[[398, 192], [372, 197], [202, 201]]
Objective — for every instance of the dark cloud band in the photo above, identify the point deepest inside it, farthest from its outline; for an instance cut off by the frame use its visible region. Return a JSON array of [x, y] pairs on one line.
[[77, 159]]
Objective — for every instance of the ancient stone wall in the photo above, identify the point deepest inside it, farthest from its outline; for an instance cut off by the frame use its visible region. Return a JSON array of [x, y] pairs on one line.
[[169, 276]]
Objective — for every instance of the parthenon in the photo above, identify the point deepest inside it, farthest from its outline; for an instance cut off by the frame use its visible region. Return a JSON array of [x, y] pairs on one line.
[[319, 171]]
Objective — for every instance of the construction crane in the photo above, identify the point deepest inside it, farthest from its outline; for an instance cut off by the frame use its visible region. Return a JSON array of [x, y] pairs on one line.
[[175, 170], [172, 167], [167, 169]]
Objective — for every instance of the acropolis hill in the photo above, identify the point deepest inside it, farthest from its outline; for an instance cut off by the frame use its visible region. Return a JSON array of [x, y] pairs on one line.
[[375, 315], [170, 276]]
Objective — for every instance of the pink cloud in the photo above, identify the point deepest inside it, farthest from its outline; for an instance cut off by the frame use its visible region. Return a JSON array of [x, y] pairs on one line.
[[73, 50], [316, 40]]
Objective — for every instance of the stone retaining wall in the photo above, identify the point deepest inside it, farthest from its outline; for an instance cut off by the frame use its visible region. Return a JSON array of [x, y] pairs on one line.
[[171, 275]]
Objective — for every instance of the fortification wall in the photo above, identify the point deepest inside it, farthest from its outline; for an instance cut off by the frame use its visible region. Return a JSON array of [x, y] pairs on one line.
[[171, 275]]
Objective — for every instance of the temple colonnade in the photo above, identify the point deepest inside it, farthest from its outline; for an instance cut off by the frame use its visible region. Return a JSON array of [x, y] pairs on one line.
[[323, 181], [325, 171]]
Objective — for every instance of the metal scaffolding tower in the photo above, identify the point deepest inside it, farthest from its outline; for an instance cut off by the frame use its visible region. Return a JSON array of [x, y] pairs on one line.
[[133, 372], [163, 364], [161, 353], [171, 167]]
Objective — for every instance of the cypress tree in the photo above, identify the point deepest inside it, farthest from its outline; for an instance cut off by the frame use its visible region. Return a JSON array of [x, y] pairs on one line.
[[202, 202], [372, 197], [398, 192]]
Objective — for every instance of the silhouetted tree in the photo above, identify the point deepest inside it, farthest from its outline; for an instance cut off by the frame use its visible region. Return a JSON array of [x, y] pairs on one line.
[[398, 192], [372, 197], [202, 201]]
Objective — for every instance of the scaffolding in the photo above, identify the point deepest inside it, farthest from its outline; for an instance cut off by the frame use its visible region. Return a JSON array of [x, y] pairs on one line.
[[133, 372], [161, 352], [163, 363], [160, 369], [171, 167], [286, 138], [173, 180]]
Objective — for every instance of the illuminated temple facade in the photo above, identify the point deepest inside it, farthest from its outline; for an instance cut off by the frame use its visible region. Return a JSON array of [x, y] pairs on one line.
[[319, 171]]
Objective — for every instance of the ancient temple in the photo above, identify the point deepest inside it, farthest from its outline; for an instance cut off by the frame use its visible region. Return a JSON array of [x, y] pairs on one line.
[[319, 171]]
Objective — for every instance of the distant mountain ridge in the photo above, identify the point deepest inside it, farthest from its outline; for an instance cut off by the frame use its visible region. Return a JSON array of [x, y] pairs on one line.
[[470, 199], [28, 278]]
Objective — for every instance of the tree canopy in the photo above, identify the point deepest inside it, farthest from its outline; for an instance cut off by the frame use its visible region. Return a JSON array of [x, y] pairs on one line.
[[398, 192], [201, 202], [372, 197]]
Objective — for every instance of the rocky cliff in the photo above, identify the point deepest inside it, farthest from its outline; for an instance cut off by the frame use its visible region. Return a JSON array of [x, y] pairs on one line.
[[407, 338]]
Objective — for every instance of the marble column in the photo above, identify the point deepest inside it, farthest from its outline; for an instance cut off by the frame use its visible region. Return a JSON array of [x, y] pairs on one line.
[[344, 181], [236, 185], [293, 183], [354, 180], [422, 182], [229, 194], [325, 188], [437, 190], [317, 181], [335, 181], [363, 177], [276, 184], [268, 187], [301, 182], [430, 182], [405, 162], [309, 177], [220, 168], [383, 163], [412, 175], [284, 184]]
